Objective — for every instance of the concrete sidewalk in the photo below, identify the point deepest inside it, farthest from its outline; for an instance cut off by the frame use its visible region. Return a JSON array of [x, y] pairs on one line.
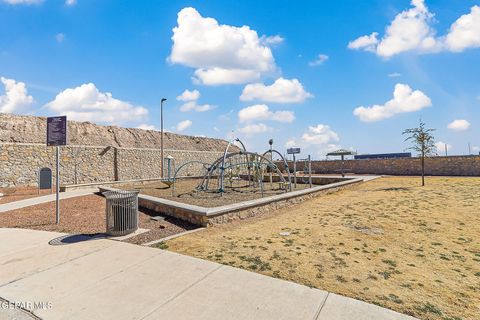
[[104, 279], [43, 199]]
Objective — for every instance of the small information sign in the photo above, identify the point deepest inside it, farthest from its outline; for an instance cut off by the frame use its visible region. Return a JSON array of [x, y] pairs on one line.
[[44, 178], [293, 150], [57, 131]]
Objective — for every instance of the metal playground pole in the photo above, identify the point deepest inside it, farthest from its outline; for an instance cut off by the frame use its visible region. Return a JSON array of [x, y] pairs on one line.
[[310, 170]]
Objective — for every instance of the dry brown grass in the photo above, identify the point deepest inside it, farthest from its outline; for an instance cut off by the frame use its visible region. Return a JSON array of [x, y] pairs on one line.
[[412, 249]]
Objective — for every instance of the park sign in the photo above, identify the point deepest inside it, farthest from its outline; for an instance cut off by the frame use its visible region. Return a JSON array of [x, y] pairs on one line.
[[56, 137], [293, 150], [57, 131]]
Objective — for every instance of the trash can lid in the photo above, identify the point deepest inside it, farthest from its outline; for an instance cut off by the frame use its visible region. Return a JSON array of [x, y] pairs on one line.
[[120, 194]]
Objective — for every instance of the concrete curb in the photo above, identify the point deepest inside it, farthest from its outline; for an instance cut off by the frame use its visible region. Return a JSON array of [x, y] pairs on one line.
[[44, 199], [173, 236]]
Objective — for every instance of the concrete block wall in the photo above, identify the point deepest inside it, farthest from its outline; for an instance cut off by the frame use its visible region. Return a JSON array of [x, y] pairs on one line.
[[435, 166]]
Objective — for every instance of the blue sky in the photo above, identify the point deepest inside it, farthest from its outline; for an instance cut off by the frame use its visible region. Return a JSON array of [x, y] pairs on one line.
[[315, 74]]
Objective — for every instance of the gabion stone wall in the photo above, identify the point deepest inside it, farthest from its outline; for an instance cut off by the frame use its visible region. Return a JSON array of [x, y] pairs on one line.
[[19, 163]]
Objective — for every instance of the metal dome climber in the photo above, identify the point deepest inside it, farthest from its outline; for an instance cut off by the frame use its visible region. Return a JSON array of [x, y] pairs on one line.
[[255, 165], [272, 151], [241, 165]]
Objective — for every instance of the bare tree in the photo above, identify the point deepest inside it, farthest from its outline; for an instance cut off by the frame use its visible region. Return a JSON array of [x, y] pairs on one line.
[[423, 142]]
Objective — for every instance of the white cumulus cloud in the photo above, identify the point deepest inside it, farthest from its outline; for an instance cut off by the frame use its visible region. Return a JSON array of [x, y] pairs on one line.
[[272, 40], [70, 2], [146, 126], [320, 134], [367, 43], [182, 125], [15, 99], [218, 76], [262, 112], [190, 98], [221, 54], [193, 106], [440, 146], [459, 125], [319, 60], [411, 30], [291, 143], [252, 129], [188, 95], [316, 140], [87, 103], [404, 100], [281, 91], [465, 32]]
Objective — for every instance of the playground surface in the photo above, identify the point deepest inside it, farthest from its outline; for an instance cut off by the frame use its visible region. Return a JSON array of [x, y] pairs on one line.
[[185, 192], [389, 242]]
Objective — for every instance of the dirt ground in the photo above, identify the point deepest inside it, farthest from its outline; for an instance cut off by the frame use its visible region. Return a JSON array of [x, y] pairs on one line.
[[86, 215], [389, 241], [185, 192], [16, 194]]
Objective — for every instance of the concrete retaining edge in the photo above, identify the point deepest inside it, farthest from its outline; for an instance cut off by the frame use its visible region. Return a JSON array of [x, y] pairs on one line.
[[207, 216]]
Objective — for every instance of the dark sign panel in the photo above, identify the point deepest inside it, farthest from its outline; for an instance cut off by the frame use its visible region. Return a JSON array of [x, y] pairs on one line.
[[45, 178], [293, 150], [57, 131]]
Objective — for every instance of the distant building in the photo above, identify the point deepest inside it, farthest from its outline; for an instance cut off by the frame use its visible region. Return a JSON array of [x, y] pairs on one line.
[[383, 156]]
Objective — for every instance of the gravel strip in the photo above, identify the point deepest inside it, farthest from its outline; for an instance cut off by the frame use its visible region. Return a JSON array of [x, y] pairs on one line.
[[86, 215]]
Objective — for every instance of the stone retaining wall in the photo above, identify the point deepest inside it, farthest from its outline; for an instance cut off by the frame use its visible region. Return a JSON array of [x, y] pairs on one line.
[[273, 206], [19, 163], [435, 166]]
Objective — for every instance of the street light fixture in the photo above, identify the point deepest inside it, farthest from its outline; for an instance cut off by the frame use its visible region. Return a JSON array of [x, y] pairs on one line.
[[161, 137]]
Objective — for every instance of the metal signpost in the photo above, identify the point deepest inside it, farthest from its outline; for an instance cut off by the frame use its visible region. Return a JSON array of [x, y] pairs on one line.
[[56, 137], [294, 151], [270, 142], [310, 171]]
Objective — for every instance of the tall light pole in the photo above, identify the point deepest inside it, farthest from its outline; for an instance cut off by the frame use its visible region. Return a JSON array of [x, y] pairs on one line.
[[161, 137]]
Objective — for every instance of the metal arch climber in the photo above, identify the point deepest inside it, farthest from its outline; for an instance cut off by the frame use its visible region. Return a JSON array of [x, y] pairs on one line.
[[251, 164], [216, 162], [285, 164], [206, 166], [222, 168]]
